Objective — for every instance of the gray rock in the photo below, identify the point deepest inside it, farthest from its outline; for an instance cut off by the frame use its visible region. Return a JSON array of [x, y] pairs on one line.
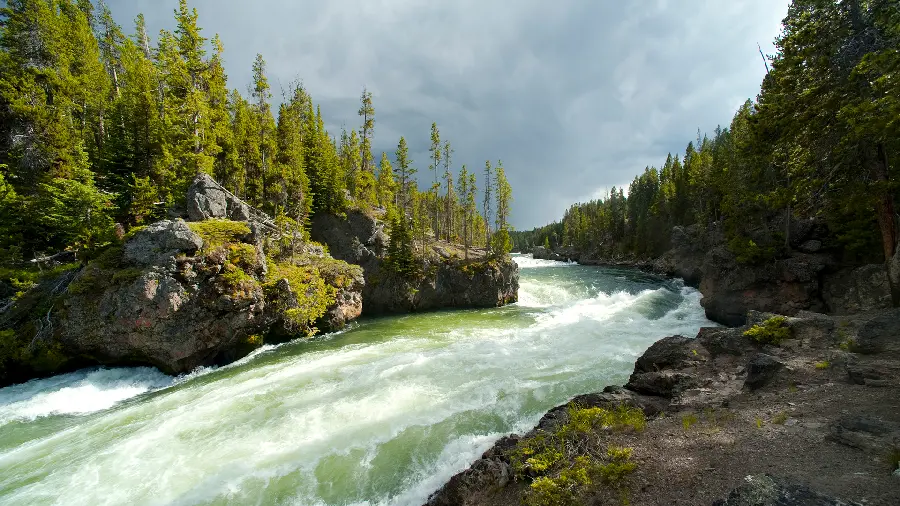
[[665, 384], [761, 370], [669, 352], [160, 241], [767, 490], [857, 290], [208, 199], [811, 246], [879, 333], [865, 433], [469, 487]]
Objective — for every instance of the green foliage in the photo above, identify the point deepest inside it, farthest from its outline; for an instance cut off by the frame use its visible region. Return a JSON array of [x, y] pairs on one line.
[[311, 296], [217, 233], [565, 464], [688, 420], [780, 418], [822, 365], [772, 331], [401, 256]]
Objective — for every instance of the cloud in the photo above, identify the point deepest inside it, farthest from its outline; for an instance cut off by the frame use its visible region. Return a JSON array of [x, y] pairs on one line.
[[574, 96]]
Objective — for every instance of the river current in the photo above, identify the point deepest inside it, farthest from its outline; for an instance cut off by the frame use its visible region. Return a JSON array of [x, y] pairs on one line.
[[381, 413]]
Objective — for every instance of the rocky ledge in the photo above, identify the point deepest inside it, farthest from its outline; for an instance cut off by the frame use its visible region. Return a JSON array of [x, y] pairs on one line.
[[181, 294], [807, 276], [786, 411], [448, 280]]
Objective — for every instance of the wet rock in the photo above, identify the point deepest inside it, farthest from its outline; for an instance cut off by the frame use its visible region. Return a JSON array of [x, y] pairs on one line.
[[761, 370], [767, 490], [470, 487]]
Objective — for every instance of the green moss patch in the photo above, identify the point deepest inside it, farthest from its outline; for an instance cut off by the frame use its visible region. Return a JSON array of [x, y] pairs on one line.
[[217, 233]]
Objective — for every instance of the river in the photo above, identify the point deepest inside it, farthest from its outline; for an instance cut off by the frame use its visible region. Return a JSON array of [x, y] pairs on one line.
[[381, 413]]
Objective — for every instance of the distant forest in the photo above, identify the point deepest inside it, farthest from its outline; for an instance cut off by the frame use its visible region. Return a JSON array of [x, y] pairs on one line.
[[102, 131], [822, 139]]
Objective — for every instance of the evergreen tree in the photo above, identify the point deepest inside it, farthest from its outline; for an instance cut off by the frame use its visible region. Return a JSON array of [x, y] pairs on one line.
[[386, 185], [450, 197], [486, 203], [436, 153], [405, 175]]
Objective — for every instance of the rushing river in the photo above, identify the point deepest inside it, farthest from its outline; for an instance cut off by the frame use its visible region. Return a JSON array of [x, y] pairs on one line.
[[382, 413]]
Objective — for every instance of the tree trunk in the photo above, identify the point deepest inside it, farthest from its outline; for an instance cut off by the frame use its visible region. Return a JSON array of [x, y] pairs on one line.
[[884, 207]]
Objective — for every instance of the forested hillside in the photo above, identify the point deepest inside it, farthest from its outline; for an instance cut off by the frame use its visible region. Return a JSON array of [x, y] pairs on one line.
[[101, 131], [822, 139]]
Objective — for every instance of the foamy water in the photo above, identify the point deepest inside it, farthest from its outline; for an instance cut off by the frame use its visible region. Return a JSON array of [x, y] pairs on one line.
[[383, 413]]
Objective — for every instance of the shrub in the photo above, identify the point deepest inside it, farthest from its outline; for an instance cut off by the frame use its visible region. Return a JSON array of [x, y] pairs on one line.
[[688, 420], [823, 365], [772, 331], [216, 233], [780, 418], [312, 294]]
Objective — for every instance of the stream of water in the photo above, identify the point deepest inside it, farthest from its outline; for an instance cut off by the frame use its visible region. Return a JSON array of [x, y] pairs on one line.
[[382, 413]]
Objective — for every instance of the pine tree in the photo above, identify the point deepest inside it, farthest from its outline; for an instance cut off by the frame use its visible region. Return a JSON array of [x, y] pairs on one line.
[[486, 203], [501, 243], [386, 185], [367, 113], [436, 152], [405, 174], [450, 197]]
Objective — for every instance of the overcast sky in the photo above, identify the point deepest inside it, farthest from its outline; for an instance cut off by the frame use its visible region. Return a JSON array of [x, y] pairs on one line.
[[574, 96]]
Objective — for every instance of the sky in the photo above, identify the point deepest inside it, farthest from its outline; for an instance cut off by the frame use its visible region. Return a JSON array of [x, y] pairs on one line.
[[574, 96]]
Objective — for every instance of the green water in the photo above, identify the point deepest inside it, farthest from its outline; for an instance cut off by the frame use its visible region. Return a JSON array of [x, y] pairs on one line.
[[382, 413]]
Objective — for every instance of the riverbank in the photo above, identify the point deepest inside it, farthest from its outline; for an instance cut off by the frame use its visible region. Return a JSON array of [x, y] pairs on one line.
[[819, 411]]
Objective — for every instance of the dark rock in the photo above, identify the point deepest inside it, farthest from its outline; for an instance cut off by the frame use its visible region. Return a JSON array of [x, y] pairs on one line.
[[767, 490], [160, 241], [761, 370], [724, 341], [866, 433], [856, 290], [471, 486], [665, 384], [543, 253], [208, 199], [811, 246], [879, 333], [669, 352]]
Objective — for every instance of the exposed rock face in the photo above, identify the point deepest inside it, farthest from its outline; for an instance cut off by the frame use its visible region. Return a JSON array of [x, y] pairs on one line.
[[806, 278], [208, 199], [760, 370], [447, 282], [855, 290], [543, 253], [161, 304]]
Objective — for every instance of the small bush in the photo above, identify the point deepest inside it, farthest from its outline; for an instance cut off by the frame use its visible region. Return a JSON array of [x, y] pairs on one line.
[[688, 420], [759, 423], [772, 331], [780, 418], [823, 365]]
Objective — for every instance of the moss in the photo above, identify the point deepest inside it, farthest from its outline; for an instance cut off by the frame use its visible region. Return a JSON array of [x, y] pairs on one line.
[[217, 233], [127, 275], [244, 256], [688, 420], [822, 365], [237, 283], [772, 331], [780, 418], [132, 232]]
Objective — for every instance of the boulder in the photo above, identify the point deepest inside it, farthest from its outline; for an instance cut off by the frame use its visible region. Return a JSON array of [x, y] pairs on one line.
[[472, 486], [856, 290], [866, 433], [160, 241], [767, 490], [761, 370], [667, 384], [208, 199], [669, 352], [879, 333]]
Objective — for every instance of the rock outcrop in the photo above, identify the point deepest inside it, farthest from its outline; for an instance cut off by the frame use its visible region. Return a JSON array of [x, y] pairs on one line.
[[447, 281], [806, 277], [177, 295], [732, 421]]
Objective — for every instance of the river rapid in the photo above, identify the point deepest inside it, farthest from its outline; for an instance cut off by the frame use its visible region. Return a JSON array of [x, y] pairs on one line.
[[382, 413]]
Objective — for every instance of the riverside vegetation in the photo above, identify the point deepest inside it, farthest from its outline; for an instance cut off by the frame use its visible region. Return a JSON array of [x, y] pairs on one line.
[[101, 137]]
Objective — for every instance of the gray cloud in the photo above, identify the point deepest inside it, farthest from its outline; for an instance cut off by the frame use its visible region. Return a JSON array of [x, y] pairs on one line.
[[574, 96]]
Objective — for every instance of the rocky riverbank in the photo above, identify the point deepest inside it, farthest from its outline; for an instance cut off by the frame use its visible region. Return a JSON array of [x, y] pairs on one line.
[[783, 411], [221, 280], [807, 276]]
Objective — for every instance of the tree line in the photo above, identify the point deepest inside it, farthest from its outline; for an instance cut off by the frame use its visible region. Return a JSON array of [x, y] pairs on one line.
[[821, 140], [99, 129]]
